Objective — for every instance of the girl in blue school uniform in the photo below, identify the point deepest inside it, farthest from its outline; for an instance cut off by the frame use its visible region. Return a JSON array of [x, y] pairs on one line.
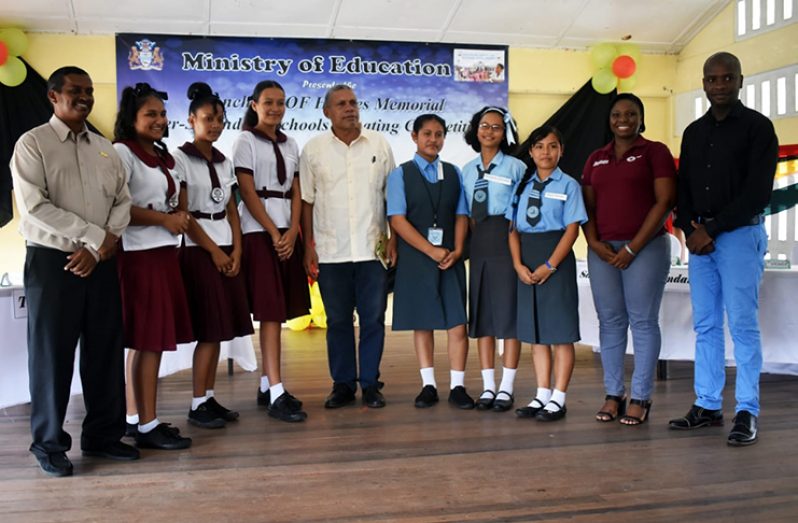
[[211, 259], [488, 182], [428, 212], [546, 212]]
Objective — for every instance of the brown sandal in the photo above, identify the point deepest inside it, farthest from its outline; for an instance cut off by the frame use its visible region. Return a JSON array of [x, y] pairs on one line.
[[605, 416]]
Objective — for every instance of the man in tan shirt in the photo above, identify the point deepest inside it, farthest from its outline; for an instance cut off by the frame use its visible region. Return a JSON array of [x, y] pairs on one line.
[[74, 204]]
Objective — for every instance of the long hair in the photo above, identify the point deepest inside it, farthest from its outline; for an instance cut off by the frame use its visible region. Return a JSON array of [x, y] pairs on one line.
[[251, 117], [132, 100]]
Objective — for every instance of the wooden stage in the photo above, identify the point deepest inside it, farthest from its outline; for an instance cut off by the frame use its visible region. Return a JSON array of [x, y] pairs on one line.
[[404, 464]]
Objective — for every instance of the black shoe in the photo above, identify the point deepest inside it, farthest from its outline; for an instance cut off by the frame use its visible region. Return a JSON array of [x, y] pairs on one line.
[[547, 415], [295, 402], [697, 417], [485, 403], [162, 437], [222, 412], [55, 464], [460, 398], [744, 431], [501, 404], [427, 397], [206, 417], [116, 450], [528, 411], [131, 429], [340, 396], [285, 410], [264, 398], [373, 398]]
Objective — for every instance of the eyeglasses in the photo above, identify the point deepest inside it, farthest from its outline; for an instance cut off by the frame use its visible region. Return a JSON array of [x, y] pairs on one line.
[[494, 127]]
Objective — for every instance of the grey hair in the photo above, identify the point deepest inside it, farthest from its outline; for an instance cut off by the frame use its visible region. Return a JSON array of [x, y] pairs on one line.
[[334, 89]]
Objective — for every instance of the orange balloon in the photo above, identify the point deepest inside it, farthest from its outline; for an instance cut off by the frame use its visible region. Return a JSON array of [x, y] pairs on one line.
[[3, 53], [624, 66]]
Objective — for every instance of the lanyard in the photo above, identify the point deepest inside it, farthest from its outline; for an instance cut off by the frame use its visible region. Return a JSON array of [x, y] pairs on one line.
[[429, 195]]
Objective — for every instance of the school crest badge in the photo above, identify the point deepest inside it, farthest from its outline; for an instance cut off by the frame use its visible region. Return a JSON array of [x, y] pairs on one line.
[[145, 56]]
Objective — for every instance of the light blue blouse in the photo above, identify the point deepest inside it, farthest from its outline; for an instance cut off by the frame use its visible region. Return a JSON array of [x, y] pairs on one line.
[[508, 168], [397, 201], [561, 204]]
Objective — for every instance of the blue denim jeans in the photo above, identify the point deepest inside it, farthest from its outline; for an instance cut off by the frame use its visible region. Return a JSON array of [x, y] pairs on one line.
[[345, 287], [728, 279], [630, 298]]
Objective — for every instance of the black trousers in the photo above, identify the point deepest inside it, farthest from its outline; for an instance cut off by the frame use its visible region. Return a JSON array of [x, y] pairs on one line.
[[62, 310]]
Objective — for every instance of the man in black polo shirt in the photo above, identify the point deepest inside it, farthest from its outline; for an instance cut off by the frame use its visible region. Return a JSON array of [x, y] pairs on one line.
[[726, 169]]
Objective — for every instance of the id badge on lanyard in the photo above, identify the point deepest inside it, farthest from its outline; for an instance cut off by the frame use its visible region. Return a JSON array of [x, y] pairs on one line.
[[435, 236]]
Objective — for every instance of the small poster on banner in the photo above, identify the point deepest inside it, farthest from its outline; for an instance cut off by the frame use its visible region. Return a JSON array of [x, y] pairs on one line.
[[20, 304]]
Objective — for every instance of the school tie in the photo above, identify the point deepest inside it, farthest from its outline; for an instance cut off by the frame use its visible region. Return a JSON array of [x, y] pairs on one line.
[[479, 203], [533, 203]]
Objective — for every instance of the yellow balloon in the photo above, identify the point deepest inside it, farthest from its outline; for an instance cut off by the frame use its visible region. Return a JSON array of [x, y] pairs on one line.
[[603, 54], [13, 72], [15, 40], [317, 312], [299, 324], [630, 50], [604, 81], [627, 84]]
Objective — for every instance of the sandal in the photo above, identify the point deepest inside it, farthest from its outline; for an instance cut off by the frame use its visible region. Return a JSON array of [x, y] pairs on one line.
[[637, 420], [606, 416], [486, 403]]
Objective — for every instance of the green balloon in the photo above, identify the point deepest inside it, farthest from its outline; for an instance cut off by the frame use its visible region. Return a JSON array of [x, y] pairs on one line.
[[15, 40], [604, 81], [630, 50], [13, 72], [603, 54]]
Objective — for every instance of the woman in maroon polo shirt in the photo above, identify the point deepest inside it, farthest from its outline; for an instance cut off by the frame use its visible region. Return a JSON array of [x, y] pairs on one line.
[[629, 187]]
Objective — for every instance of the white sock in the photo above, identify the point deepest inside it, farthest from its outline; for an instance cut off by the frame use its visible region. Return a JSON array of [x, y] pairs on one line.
[[209, 393], [559, 397], [196, 402], [489, 379], [543, 396], [132, 420], [456, 378], [428, 376], [147, 427], [276, 391], [264, 383], [508, 380]]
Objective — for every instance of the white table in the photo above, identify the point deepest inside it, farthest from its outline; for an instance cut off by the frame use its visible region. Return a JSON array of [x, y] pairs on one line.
[[14, 355], [778, 321]]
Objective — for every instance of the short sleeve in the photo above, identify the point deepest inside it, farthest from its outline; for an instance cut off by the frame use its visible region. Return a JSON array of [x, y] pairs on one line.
[[462, 205], [243, 158], [395, 193], [126, 155], [307, 184], [574, 209], [509, 213], [587, 172]]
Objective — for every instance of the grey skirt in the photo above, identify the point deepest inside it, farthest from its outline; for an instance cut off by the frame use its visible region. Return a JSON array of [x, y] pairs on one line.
[[492, 281], [549, 313]]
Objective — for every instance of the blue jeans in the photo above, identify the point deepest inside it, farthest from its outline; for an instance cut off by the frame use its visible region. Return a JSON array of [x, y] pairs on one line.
[[728, 278], [630, 298], [345, 287]]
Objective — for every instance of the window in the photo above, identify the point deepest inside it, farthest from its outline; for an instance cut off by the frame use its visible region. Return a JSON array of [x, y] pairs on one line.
[[755, 17]]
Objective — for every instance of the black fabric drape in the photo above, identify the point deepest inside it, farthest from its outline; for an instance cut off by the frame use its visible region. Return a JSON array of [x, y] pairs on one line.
[[21, 108]]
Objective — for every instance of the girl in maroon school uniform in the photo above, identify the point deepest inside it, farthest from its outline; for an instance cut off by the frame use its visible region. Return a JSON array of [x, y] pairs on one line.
[[155, 311], [266, 164], [211, 259]]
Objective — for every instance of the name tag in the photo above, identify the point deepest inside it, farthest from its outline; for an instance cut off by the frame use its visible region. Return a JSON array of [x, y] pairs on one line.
[[435, 236], [556, 196], [498, 179]]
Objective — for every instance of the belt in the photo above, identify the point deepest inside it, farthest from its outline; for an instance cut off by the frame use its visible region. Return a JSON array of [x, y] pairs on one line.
[[209, 216], [265, 193], [755, 220]]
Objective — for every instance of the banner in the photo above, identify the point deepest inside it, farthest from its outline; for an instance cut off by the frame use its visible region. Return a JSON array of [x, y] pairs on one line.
[[394, 82]]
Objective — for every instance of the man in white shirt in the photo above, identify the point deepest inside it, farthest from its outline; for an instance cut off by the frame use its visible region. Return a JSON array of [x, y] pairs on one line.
[[342, 176]]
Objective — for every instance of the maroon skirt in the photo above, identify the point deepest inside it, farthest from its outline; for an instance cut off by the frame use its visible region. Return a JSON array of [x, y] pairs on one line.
[[277, 290], [218, 303], [154, 306]]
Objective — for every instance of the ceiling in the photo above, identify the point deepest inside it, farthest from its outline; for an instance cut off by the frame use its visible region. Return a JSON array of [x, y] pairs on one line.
[[660, 26]]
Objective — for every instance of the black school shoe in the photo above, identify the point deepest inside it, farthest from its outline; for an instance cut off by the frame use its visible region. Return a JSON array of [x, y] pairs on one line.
[[55, 464], [340, 396], [264, 398], [460, 398], [696, 418], [115, 450], [373, 398], [744, 432], [162, 437], [427, 397], [131, 429], [206, 417], [547, 415], [222, 412], [285, 410]]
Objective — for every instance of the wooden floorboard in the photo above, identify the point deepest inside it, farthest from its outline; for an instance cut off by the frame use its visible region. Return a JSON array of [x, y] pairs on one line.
[[405, 464]]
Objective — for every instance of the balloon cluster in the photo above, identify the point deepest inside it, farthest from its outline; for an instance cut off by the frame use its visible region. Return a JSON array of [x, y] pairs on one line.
[[13, 43], [615, 66]]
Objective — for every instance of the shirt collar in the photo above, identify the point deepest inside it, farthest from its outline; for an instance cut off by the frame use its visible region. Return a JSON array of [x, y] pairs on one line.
[[423, 164], [63, 131], [610, 147], [497, 160], [735, 112], [555, 175]]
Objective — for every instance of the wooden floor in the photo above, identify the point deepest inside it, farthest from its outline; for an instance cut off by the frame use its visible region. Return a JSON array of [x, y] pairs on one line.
[[404, 464]]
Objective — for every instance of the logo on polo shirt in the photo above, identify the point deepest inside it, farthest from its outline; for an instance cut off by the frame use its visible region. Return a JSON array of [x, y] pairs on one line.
[[145, 56], [633, 158], [600, 162]]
